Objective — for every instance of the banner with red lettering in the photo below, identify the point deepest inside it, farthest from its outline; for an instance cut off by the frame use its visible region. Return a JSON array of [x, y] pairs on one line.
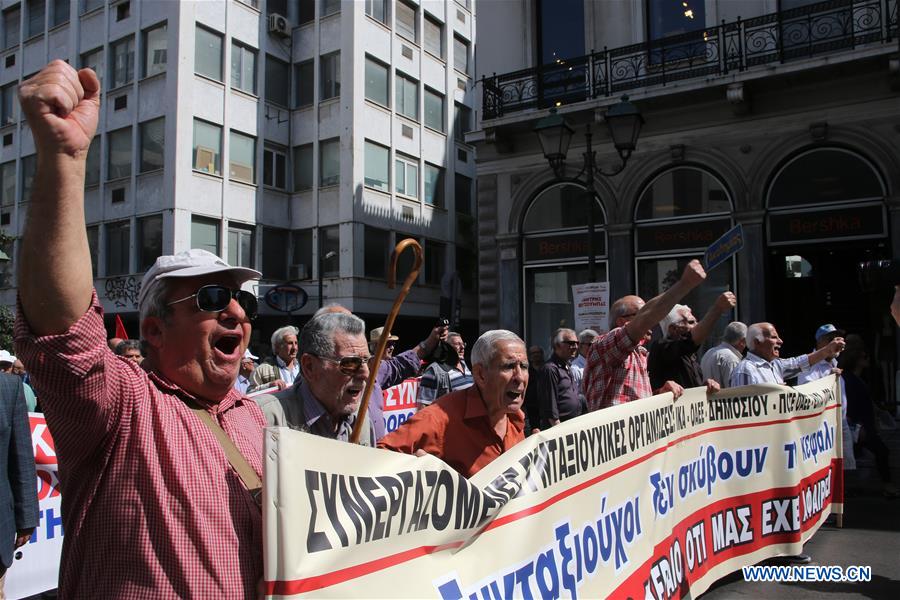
[[653, 499], [400, 403], [36, 568]]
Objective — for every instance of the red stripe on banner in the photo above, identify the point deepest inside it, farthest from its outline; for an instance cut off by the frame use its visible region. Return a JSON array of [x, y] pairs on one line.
[[310, 584], [316, 582], [634, 585]]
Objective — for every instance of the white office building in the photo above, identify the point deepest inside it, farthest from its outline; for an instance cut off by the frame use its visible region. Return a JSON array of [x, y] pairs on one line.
[[301, 138]]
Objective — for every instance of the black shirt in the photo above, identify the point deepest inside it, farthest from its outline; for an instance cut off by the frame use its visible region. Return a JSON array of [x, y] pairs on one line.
[[557, 392], [674, 360]]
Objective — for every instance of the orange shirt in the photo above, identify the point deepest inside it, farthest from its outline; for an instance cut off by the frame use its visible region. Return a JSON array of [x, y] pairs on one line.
[[456, 429]]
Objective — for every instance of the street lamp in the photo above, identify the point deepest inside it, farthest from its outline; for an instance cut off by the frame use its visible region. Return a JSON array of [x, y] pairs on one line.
[[322, 259], [623, 121]]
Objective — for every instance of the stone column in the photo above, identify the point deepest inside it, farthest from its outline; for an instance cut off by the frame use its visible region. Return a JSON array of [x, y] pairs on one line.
[[510, 292], [620, 265], [751, 267]]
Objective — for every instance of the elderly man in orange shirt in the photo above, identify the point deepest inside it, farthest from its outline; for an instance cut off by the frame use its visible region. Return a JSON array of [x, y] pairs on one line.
[[469, 428]]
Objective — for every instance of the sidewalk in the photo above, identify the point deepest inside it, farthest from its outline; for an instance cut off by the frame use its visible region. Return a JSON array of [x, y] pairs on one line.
[[870, 536]]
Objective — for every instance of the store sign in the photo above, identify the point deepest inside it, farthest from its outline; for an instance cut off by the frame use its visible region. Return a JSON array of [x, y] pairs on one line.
[[855, 222], [563, 246], [684, 235]]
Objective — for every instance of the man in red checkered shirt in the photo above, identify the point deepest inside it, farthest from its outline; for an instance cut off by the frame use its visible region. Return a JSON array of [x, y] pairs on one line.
[[616, 370], [152, 507]]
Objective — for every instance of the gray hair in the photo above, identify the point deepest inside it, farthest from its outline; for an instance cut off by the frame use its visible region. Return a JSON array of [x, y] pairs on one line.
[[128, 345], [673, 317], [734, 332], [618, 309], [155, 303], [328, 308], [557, 335], [278, 336], [454, 334], [485, 348], [587, 335], [754, 335], [317, 336]]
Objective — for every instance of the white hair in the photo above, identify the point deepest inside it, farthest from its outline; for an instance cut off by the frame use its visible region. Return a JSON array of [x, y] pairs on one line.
[[278, 336], [587, 335], [485, 347], [734, 332], [557, 335], [755, 335], [155, 303], [675, 315]]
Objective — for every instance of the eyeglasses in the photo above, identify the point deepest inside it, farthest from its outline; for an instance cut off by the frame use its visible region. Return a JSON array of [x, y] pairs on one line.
[[348, 365], [216, 298]]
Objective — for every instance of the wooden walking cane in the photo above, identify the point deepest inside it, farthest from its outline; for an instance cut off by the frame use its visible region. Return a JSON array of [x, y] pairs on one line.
[[385, 334]]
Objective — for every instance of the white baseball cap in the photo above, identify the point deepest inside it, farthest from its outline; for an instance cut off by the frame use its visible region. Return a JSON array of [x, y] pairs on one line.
[[190, 263], [6, 357], [248, 354]]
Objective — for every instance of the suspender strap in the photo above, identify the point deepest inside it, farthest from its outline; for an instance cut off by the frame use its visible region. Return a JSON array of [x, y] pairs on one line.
[[247, 474]]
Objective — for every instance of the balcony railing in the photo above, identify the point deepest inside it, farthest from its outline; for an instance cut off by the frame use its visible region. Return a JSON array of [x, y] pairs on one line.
[[780, 37]]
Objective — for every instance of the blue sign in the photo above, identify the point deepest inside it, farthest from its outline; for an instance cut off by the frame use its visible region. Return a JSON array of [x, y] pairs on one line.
[[286, 297], [724, 248]]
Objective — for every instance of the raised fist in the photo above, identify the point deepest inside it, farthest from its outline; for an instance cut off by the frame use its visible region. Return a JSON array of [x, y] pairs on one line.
[[62, 106], [693, 273], [726, 301]]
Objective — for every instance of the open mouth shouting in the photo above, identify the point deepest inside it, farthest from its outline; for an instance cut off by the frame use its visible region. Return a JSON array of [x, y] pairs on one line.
[[227, 346]]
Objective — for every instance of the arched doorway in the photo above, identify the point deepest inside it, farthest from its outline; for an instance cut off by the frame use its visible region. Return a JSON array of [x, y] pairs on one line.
[[826, 213], [679, 213], [555, 257]]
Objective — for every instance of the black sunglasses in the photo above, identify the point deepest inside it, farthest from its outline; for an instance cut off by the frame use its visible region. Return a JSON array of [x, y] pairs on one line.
[[348, 365], [216, 298]]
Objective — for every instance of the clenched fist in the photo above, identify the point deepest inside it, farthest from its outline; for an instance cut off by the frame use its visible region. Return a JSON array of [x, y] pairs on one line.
[[726, 301], [693, 274], [62, 106]]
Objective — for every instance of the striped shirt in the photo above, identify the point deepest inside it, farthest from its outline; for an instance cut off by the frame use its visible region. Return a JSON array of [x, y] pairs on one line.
[[616, 371]]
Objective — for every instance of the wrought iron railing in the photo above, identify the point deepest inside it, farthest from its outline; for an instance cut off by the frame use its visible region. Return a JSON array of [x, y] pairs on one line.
[[777, 37]]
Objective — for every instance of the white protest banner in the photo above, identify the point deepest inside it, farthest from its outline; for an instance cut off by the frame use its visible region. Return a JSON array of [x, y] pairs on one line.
[[400, 403], [652, 499], [36, 568], [591, 301]]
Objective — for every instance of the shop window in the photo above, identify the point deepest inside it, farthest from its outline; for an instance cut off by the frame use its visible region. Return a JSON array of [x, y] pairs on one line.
[[561, 207], [682, 192], [377, 243], [240, 245], [825, 176], [205, 234]]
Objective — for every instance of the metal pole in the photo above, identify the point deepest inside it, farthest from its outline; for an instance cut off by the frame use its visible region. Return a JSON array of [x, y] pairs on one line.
[[589, 168], [320, 261]]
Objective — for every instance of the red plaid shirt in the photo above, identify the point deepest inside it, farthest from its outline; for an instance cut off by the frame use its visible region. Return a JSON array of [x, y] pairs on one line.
[[151, 507], [616, 371]]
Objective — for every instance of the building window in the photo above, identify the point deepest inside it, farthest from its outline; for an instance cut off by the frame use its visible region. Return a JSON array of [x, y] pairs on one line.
[[434, 186], [377, 9], [434, 110], [93, 246], [377, 167], [406, 176], [118, 248], [155, 43], [461, 54], [304, 76], [241, 157], [60, 13], [820, 177], [121, 67], [243, 68], [275, 253], [377, 245], [34, 24], [280, 6], [435, 259], [92, 167], [153, 144], [377, 81], [205, 234], [240, 246], [434, 37], [406, 20], [277, 81], [307, 11], [407, 97], [301, 254], [94, 60], [8, 183], [28, 166], [303, 167], [330, 70], [149, 242], [463, 194], [123, 11], [462, 122], [467, 267], [11, 30], [274, 168], [207, 147], [672, 18], [330, 247], [329, 162], [89, 5], [208, 54], [8, 104], [558, 19], [118, 158], [329, 7]]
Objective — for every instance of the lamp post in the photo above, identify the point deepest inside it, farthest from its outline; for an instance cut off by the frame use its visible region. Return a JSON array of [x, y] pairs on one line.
[[322, 259], [623, 120]]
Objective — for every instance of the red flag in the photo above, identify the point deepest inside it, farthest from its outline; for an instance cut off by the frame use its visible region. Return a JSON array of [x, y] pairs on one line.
[[120, 329]]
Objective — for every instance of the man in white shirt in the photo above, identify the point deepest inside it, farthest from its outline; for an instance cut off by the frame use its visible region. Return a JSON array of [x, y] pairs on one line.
[[248, 364], [585, 338], [718, 362], [284, 367]]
